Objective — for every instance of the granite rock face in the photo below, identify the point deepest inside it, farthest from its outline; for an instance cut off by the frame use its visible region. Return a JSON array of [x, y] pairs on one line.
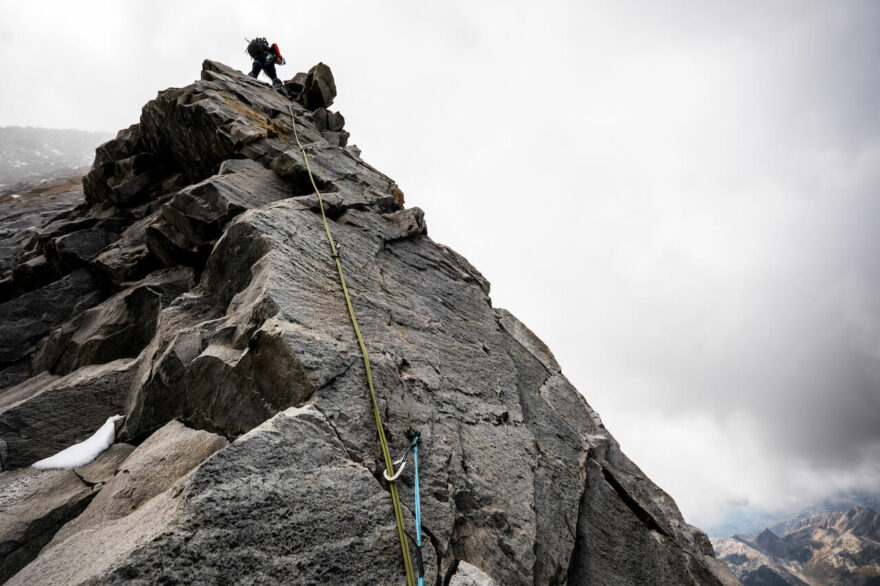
[[35, 504], [213, 306]]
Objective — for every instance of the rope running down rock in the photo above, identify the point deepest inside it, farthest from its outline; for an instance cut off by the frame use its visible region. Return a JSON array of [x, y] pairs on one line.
[[398, 514]]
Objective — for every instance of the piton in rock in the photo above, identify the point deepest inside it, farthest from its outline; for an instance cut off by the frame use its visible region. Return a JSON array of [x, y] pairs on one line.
[[191, 289]]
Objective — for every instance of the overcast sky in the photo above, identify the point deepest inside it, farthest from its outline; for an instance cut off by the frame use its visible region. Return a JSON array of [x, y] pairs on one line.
[[681, 200]]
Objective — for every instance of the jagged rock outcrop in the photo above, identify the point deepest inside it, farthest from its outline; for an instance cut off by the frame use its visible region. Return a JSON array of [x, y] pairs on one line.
[[215, 304], [829, 548]]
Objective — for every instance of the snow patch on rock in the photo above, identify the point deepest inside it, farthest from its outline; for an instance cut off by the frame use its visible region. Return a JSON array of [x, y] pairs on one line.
[[84, 452]]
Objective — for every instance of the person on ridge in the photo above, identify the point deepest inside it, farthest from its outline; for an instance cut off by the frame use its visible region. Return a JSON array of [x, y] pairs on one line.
[[265, 57]]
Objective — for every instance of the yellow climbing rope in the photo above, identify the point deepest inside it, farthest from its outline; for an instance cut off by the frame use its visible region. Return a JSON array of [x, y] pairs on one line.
[[398, 513]]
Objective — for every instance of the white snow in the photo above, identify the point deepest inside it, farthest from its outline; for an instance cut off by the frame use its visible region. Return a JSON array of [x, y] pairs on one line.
[[84, 452], [15, 196]]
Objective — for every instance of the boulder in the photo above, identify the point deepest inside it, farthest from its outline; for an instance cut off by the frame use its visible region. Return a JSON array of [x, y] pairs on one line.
[[328, 121], [126, 173], [335, 121], [293, 88], [74, 249], [320, 89]]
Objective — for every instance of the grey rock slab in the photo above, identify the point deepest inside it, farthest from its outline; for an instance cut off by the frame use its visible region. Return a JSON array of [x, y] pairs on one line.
[[97, 184], [527, 339], [492, 406], [224, 371], [129, 259], [103, 468], [76, 248], [120, 327], [614, 547], [223, 113], [282, 504], [14, 373], [34, 273], [483, 378], [198, 213], [34, 504], [170, 247], [31, 316], [146, 472], [470, 575], [126, 173], [46, 414], [77, 561], [184, 331]]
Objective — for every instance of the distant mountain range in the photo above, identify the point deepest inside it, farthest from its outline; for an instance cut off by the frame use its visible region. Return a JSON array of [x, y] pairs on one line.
[[28, 155], [748, 520], [826, 549]]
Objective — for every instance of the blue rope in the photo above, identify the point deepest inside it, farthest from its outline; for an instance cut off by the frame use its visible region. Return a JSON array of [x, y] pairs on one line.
[[418, 505]]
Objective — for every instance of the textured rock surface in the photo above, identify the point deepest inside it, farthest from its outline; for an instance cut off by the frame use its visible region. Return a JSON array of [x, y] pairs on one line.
[[251, 341], [469, 575], [46, 414], [830, 548], [34, 504], [144, 473]]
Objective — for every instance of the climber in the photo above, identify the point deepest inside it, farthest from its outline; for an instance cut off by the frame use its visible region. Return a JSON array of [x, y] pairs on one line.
[[265, 57]]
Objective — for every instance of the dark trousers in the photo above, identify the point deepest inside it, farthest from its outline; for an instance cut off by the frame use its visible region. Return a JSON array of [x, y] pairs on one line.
[[268, 68]]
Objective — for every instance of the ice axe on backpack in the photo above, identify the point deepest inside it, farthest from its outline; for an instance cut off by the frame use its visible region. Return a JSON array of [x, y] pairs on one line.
[[278, 58]]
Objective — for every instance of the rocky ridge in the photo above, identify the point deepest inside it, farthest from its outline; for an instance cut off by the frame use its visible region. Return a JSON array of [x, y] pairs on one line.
[[829, 548], [192, 291]]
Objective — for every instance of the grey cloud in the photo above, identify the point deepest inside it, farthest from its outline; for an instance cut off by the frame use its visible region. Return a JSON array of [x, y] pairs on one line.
[[680, 198]]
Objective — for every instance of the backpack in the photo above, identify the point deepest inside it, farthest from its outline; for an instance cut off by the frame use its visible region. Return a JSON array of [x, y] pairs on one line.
[[258, 48]]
